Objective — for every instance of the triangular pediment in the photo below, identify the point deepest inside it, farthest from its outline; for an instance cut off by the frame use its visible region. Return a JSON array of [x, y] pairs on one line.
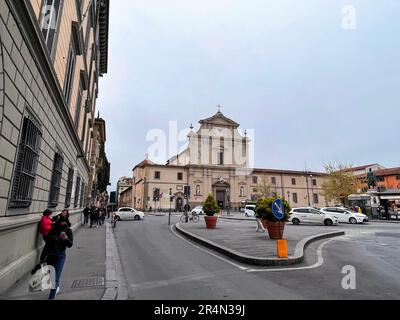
[[220, 120]]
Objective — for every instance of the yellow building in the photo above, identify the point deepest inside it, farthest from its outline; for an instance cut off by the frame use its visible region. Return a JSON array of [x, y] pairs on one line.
[[218, 162]]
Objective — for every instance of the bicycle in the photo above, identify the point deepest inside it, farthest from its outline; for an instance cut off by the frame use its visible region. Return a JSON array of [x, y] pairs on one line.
[[194, 217]]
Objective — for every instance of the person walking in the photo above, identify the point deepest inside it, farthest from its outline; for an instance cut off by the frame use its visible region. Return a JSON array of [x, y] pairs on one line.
[[98, 216], [86, 215], [63, 214], [92, 216], [103, 216], [59, 239]]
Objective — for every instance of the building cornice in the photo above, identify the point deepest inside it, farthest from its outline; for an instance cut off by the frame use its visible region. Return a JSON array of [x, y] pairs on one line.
[[104, 18]]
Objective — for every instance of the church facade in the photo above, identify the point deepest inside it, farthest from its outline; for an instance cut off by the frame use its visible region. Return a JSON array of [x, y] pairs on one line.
[[217, 161]]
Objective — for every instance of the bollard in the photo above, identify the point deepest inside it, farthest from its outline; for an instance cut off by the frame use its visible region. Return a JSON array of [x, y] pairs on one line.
[[282, 249]]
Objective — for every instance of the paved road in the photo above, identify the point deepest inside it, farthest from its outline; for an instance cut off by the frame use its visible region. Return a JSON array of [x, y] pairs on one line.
[[158, 265]]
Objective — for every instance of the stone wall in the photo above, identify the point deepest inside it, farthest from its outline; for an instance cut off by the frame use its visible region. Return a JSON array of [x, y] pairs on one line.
[[26, 87]]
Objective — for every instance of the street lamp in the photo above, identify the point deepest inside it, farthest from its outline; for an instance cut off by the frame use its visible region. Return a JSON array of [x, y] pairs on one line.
[[308, 190], [288, 197]]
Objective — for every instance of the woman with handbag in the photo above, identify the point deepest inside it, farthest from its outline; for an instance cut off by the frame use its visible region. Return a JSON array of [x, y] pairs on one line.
[[59, 239]]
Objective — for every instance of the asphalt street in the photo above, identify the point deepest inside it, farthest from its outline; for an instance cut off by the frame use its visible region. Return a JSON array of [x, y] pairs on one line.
[[159, 265]]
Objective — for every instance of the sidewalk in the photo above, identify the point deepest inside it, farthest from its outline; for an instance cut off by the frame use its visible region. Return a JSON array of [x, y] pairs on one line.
[[84, 272], [240, 241]]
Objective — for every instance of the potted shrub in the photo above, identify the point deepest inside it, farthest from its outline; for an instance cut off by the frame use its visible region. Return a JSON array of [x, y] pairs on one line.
[[211, 208], [264, 212]]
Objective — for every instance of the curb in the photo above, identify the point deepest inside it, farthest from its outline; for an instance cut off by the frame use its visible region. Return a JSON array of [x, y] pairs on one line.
[[297, 258], [236, 219], [115, 282]]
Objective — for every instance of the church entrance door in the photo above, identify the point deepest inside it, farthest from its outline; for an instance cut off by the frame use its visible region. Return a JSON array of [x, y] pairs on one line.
[[221, 198]]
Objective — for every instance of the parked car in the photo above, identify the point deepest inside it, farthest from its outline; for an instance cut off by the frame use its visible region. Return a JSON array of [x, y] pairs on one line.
[[127, 213], [345, 215], [250, 210], [311, 215], [198, 210]]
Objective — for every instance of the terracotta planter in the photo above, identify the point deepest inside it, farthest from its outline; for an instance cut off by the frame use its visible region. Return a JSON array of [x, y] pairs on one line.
[[211, 222], [265, 224], [275, 229]]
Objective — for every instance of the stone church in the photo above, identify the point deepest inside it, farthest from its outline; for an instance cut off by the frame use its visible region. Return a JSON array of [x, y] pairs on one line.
[[218, 161]]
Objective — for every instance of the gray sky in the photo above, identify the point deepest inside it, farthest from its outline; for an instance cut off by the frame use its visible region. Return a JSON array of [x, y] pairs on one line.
[[313, 91]]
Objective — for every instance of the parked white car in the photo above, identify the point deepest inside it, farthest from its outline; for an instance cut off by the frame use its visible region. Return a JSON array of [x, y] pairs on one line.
[[127, 213], [198, 210], [311, 215], [250, 210], [345, 215]]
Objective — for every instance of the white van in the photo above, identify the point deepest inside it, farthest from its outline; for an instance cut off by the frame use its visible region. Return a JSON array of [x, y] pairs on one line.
[[250, 210]]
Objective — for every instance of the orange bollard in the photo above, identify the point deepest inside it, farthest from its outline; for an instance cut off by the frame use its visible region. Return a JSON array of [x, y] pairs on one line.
[[282, 249]]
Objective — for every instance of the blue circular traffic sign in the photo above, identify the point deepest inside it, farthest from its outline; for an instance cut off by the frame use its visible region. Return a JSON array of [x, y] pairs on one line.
[[277, 209]]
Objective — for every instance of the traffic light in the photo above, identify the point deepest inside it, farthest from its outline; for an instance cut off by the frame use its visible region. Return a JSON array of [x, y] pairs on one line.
[[156, 195], [186, 192]]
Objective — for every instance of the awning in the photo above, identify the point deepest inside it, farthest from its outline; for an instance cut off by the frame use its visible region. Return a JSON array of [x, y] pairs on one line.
[[359, 197], [390, 197]]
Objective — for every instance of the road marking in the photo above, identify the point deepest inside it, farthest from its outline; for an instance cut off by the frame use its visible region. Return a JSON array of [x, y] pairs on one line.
[[208, 252], [166, 283], [179, 280], [319, 262]]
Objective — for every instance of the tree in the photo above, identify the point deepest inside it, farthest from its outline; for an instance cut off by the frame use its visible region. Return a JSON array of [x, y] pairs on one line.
[[263, 189], [339, 183], [211, 207]]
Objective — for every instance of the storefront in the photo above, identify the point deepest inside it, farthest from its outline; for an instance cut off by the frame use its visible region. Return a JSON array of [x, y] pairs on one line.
[[390, 204]]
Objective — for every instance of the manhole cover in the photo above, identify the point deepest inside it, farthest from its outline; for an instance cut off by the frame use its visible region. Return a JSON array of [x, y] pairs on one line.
[[88, 283]]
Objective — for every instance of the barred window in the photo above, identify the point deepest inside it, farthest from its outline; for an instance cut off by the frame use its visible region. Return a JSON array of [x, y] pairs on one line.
[[70, 182], [56, 179], [82, 195], [77, 188], [26, 164]]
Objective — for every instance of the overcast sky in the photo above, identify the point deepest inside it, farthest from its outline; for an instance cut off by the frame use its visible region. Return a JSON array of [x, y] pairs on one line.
[[312, 91]]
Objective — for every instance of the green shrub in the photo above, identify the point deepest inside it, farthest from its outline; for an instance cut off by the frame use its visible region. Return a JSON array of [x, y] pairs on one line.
[[211, 207], [264, 210]]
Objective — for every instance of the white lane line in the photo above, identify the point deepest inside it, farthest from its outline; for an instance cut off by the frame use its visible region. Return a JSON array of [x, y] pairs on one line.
[[319, 262], [208, 252]]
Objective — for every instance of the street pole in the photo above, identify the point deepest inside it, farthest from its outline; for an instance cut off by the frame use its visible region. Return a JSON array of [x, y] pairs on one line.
[[312, 189], [170, 204], [308, 192]]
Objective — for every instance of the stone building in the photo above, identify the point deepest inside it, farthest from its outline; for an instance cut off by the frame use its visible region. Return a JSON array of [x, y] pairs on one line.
[[125, 199], [52, 55], [217, 162], [99, 175], [122, 185]]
